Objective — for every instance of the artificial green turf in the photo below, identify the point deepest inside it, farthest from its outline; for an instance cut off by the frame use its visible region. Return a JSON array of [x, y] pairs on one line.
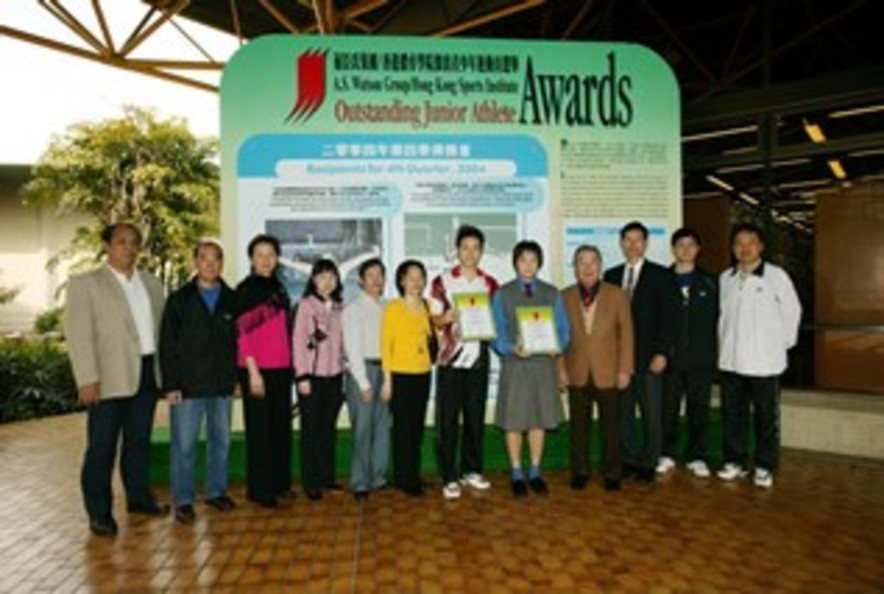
[[555, 454]]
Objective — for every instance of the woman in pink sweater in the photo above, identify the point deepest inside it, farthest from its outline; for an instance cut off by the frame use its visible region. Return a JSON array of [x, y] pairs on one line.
[[319, 371]]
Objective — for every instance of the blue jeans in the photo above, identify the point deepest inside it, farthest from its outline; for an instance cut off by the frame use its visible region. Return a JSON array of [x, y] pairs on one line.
[[186, 421], [370, 423]]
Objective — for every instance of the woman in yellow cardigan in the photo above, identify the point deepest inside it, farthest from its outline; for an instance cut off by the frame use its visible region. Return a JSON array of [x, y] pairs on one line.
[[407, 363]]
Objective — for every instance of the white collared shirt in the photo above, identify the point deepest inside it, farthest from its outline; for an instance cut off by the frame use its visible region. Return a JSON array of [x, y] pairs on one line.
[[362, 335], [637, 268], [139, 304]]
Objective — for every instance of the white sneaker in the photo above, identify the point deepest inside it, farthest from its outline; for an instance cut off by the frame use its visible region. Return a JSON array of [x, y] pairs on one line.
[[699, 469], [731, 472], [763, 478], [665, 464], [451, 491], [476, 481]]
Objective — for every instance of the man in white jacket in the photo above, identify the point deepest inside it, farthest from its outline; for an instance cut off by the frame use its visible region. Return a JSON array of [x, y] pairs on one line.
[[760, 314]]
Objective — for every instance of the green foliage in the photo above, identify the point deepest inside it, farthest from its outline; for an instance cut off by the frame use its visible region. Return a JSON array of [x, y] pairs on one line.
[[49, 321], [154, 173], [36, 380]]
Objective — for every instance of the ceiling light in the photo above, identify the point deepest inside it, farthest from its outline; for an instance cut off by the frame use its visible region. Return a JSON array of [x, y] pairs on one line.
[[846, 113], [695, 195], [808, 183], [837, 168], [867, 153], [814, 132], [754, 166], [720, 183], [750, 199], [719, 133]]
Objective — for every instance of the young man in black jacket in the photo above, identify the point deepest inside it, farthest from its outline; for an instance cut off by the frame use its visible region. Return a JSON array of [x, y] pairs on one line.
[[692, 357], [198, 364]]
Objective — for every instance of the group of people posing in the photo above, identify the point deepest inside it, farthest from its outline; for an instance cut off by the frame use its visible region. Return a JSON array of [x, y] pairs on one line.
[[637, 336]]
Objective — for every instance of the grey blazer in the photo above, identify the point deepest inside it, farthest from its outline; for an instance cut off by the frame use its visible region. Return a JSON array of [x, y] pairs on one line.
[[101, 335]]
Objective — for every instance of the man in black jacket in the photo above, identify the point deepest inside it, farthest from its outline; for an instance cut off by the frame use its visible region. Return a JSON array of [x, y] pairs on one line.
[[692, 359], [198, 363], [651, 291]]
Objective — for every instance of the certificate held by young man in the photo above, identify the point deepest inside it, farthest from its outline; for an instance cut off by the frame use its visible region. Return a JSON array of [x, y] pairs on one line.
[[475, 320]]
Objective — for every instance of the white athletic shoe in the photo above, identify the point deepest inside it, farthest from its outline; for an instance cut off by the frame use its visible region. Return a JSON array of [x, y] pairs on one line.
[[763, 478], [476, 481], [451, 491], [699, 469], [732, 472], [665, 464]]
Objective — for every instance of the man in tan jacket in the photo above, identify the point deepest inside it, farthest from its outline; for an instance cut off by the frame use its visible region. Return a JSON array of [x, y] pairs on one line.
[[597, 364], [112, 319]]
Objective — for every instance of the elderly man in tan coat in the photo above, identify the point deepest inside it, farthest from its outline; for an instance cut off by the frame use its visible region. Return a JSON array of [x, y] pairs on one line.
[[112, 319], [597, 365]]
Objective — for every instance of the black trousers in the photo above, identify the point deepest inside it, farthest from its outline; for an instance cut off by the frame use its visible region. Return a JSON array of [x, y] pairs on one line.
[[319, 420], [738, 393], [646, 391], [580, 402], [409, 407], [132, 417], [460, 392], [696, 386], [268, 434]]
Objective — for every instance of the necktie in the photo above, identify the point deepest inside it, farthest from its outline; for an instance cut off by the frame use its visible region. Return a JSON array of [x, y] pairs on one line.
[[587, 299], [529, 292], [630, 281]]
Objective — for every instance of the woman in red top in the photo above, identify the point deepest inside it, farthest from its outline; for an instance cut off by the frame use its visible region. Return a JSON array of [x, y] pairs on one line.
[[264, 355]]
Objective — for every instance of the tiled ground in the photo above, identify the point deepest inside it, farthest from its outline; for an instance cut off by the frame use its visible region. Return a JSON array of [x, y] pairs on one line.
[[820, 530]]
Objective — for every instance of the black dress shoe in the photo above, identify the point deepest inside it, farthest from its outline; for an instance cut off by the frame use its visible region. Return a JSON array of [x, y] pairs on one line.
[[185, 514], [578, 482], [288, 495], [612, 485], [103, 526], [360, 496], [268, 502], [151, 508], [519, 488], [646, 475], [314, 494], [538, 485], [221, 503]]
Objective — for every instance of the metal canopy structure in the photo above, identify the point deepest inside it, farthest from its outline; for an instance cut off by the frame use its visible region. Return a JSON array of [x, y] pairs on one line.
[[781, 98]]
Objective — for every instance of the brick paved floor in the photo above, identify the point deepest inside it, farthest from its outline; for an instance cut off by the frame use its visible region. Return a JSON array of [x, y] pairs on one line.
[[821, 529]]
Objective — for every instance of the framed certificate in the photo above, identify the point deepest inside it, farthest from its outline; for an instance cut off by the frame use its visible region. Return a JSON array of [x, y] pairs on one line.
[[537, 330], [475, 320]]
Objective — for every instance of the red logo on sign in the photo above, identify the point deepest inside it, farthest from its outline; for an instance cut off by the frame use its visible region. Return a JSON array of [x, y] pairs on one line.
[[310, 91]]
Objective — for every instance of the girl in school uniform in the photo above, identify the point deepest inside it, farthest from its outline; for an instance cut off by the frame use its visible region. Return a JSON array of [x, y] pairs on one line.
[[528, 394]]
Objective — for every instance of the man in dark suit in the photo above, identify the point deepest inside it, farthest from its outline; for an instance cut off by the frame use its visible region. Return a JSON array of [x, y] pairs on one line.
[[651, 291]]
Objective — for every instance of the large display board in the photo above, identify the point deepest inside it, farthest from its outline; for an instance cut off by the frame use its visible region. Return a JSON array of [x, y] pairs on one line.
[[360, 146]]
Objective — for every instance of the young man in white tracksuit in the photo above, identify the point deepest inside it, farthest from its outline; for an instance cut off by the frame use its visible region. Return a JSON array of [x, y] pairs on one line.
[[760, 314]]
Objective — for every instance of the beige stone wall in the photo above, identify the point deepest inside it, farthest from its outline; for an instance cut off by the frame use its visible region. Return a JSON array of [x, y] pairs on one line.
[[29, 237]]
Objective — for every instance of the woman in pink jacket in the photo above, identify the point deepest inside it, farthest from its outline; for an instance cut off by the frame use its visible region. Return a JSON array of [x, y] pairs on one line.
[[319, 371]]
